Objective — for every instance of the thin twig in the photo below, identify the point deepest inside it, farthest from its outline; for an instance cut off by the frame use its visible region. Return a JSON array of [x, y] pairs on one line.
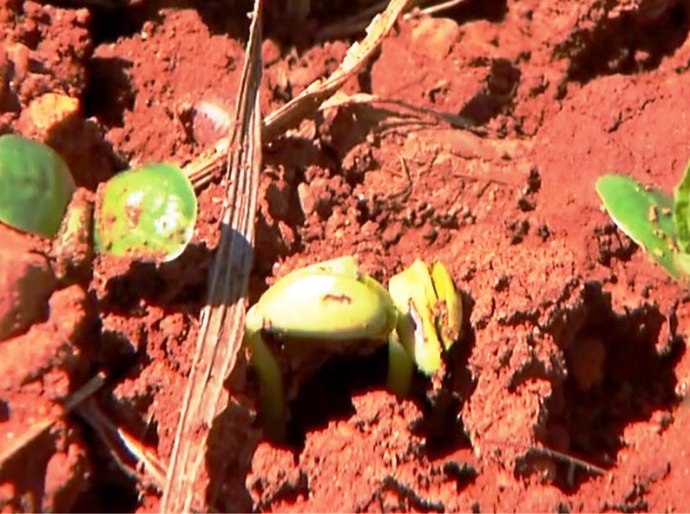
[[553, 454], [438, 8], [356, 23], [568, 459], [36, 429], [351, 25], [405, 192], [307, 103], [208, 166], [131, 456], [387, 105]]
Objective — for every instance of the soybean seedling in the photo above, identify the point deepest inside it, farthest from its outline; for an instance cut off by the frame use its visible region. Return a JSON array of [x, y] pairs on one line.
[[333, 307], [657, 222], [148, 213], [35, 186]]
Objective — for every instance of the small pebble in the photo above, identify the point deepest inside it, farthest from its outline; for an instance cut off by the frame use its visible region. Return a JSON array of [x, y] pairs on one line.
[[306, 198]]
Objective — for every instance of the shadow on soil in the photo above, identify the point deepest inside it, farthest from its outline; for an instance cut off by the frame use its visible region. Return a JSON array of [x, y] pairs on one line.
[[493, 11], [327, 395], [620, 372], [179, 282], [502, 84], [110, 489], [109, 92], [632, 42], [231, 445], [113, 19], [34, 457], [442, 424]]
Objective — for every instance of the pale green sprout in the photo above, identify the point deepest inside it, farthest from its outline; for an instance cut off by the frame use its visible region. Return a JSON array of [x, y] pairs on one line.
[[332, 305]]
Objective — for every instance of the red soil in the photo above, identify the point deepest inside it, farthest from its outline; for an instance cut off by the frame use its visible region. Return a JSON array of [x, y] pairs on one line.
[[573, 340]]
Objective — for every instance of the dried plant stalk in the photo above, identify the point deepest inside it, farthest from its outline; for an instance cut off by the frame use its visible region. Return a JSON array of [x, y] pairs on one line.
[[306, 104], [222, 318]]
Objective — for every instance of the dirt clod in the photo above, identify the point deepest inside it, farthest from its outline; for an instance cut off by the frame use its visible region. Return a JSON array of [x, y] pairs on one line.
[[26, 282]]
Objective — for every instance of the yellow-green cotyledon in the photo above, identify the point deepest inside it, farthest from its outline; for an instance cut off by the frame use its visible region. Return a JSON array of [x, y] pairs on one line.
[[333, 303]]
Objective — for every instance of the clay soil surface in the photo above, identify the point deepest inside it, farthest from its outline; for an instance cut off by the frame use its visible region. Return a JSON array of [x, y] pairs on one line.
[[574, 343]]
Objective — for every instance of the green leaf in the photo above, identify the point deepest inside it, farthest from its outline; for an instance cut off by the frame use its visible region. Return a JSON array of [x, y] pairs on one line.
[[681, 211], [35, 186], [644, 215], [146, 213], [415, 297]]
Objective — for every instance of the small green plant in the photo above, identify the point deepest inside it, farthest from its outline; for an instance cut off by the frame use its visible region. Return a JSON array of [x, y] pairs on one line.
[[331, 307], [657, 222], [147, 214]]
